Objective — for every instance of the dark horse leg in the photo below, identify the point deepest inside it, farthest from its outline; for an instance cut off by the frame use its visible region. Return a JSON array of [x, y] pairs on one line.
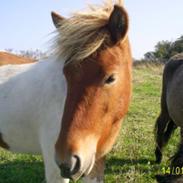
[[164, 124], [176, 167], [177, 160], [163, 129]]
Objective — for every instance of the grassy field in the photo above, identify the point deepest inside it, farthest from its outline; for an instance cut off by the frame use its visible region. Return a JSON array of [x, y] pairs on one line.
[[132, 158]]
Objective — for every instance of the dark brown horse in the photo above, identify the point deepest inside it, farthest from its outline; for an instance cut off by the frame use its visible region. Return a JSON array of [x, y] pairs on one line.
[[171, 115]]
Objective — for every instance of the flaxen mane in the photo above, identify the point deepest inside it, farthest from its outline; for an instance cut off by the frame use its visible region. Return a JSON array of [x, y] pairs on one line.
[[84, 32]]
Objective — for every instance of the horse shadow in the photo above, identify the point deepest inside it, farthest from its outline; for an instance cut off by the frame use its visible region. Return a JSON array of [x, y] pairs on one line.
[[22, 171], [144, 166], [120, 163]]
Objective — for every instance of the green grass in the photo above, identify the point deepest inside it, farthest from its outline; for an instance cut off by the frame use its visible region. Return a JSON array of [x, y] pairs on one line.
[[131, 159]]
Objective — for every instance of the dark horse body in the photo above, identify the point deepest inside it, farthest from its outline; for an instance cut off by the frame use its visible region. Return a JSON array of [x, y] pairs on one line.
[[171, 115]]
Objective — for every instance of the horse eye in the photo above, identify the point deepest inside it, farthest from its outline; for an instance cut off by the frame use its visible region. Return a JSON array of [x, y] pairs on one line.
[[110, 79]]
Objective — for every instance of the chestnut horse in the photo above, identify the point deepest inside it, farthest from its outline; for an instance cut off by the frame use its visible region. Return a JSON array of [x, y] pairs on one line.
[[9, 58], [70, 107], [171, 109]]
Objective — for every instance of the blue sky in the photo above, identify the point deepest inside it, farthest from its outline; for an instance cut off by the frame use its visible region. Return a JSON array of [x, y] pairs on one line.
[[27, 24]]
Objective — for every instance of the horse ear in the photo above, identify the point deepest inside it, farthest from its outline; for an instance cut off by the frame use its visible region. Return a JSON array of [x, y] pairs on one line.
[[118, 24], [57, 19]]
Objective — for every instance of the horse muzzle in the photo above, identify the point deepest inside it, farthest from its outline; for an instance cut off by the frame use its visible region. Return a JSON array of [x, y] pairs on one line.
[[72, 168], [75, 167]]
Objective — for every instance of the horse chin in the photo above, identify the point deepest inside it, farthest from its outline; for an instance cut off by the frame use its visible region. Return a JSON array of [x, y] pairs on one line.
[[89, 169], [76, 176]]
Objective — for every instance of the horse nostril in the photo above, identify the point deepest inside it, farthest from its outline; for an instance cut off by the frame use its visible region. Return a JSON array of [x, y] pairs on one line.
[[76, 164], [67, 170]]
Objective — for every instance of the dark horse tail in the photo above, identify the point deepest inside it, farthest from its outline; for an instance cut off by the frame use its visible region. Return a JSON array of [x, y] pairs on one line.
[[164, 124]]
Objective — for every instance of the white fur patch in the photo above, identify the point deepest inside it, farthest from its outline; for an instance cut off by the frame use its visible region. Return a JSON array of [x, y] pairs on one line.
[[32, 98]]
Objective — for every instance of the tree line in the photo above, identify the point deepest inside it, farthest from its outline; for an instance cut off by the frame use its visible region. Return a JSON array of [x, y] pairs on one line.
[[32, 54], [164, 50]]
